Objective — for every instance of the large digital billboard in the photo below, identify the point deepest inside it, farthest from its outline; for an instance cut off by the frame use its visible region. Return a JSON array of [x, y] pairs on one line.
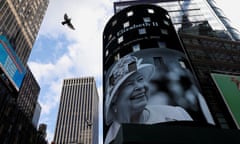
[[229, 88], [147, 76], [10, 63], [153, 86]]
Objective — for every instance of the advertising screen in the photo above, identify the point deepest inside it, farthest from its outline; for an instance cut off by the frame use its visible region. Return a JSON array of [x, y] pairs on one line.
[[147, 76], [10, 63], [229, 87], [153, 86]]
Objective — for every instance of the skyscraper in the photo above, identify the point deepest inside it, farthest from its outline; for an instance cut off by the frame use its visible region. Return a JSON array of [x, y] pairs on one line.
[[20, 21], [77, 120]]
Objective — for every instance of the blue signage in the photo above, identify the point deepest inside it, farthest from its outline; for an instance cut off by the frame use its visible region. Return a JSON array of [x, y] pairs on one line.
[[10, 63]]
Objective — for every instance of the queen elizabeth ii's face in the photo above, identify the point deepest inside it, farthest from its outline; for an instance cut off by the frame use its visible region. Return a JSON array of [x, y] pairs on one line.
[[131, 98]]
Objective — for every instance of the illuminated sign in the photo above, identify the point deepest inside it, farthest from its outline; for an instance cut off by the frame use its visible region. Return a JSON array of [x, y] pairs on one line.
[[229, 87], [136, 26], [147, 77], [10, 63], [153, 86]]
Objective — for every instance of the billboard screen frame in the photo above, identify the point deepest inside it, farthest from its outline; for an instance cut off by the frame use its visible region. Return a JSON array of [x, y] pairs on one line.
[[10, 63]]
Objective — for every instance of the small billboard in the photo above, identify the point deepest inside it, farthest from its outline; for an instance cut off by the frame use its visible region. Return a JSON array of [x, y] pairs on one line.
[[10, 63], [229, 88]]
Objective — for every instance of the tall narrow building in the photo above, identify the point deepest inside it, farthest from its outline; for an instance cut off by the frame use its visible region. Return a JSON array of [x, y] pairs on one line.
[[77, 120], [20, 22]]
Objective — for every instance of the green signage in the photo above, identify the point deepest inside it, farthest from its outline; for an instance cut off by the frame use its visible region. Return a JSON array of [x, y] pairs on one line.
[[229, 87]]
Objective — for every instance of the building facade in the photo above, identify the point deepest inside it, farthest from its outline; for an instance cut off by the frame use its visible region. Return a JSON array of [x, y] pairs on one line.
[[28, 95], [36, 114], [209, 56], [20, 21], [77, 120], [191, 13]]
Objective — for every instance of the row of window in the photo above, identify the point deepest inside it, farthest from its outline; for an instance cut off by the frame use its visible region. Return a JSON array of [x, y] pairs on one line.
[[74, 99], [138, 47], [142, 31], [131, 13], [11, 29], [79, 81]]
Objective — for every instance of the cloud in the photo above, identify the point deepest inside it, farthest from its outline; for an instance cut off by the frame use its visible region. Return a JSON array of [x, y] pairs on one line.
[[64, 53], [229, 9]]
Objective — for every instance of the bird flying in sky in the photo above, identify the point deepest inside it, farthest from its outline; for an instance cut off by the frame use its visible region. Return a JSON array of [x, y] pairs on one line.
[[67, 21]]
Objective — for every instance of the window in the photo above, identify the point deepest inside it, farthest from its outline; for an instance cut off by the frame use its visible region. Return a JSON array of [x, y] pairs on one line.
[[158, 61], [130, 13], [142, 31], [132, 67], [114, 22], [164, 31], [167, 16], [136, 47], [110, 36], [151, 11], [117, 57], [182, 64], [166, 22], [111, 80], [107, 53], [146, 19], [161, 44], [126, 24], [120, 39]]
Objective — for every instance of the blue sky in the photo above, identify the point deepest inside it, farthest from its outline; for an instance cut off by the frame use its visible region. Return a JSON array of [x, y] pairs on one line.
[[60, 52]]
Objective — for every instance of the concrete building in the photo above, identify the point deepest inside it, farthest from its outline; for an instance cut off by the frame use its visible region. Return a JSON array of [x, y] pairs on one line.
[[77, 120]]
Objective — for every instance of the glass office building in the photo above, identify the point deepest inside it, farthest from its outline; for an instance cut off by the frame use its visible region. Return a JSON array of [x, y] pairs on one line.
[[191, 13]]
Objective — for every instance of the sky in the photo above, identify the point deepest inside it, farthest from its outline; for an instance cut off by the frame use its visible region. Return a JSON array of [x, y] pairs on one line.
[[59, 52]]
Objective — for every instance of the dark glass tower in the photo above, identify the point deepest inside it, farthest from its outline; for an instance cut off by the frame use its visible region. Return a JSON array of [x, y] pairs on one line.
[[28, 95], [20, 21], [77, 120]]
